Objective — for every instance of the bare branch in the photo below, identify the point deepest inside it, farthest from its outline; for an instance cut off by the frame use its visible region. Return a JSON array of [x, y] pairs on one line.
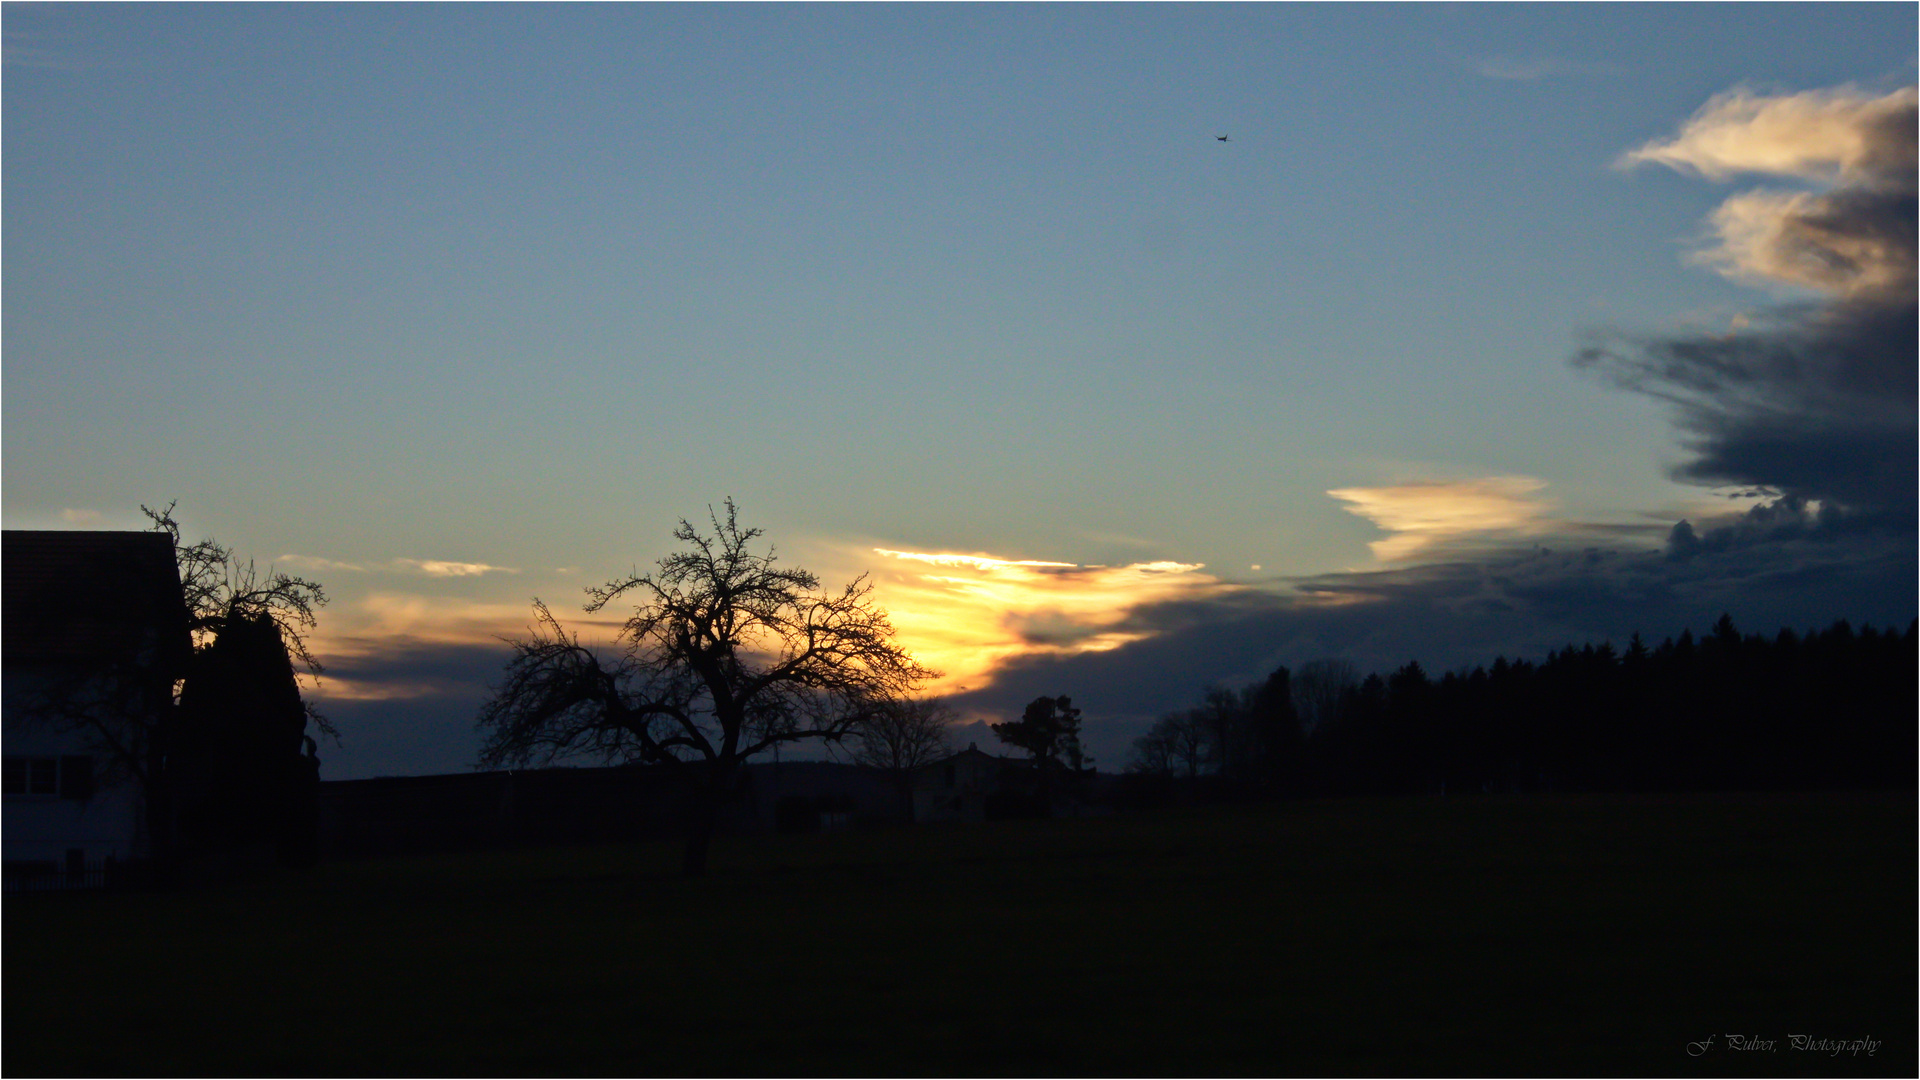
[[217, 587], [726, 654]]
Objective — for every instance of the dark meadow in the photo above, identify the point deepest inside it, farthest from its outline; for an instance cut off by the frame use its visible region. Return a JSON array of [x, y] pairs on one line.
[[1494, 934]]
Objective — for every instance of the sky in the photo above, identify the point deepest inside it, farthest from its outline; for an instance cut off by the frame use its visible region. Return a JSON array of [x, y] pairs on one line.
[[1486, 329]]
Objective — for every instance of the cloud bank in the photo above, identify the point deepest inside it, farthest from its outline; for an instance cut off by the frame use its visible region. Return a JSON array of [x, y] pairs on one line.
[[1813, 401], [1448, 615]]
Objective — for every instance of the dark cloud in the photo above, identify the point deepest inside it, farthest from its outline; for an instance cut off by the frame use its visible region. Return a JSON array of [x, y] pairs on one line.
[[1813, 401], [1816, 404], [427, 728]]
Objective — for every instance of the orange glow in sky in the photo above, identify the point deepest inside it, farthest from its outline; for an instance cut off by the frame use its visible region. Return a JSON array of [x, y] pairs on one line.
[[966, 614]]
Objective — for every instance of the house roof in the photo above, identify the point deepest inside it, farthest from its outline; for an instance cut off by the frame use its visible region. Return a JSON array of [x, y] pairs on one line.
[[90, 596], [974, 751]]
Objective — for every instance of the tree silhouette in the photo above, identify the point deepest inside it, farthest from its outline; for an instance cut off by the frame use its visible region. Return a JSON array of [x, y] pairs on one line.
[[1153, 753], [1274, 731], [1318, 686], [1049, 731], [726, 655], [901, 737], [240, 765], [219, 589], [1723, 711], [1248, 738], [1178, 739]]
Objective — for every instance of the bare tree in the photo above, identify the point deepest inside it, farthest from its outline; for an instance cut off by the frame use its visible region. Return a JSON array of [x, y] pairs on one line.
[[901, 737], [1153, 752], [1188, 737], [903, 734], [726, 655], [219, 589]]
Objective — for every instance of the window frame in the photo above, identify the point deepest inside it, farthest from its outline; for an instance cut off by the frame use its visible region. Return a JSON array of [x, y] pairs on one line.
[[47, 777]]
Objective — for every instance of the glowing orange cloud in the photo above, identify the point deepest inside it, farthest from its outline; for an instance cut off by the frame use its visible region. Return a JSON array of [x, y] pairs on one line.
[[967, 614], [383, 622]]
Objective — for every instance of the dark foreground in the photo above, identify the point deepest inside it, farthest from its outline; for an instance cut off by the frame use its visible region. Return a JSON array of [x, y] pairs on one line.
[[1558, 935]]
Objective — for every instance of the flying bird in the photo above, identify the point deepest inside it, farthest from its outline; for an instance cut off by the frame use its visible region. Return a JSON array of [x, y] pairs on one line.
[[1222, 138]]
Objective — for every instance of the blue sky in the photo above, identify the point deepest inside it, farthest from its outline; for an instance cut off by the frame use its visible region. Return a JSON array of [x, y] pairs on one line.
[[453, 306]]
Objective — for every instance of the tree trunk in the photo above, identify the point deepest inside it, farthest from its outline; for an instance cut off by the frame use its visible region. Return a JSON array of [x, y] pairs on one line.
[[693, 861], [703, 816], [903, 784]]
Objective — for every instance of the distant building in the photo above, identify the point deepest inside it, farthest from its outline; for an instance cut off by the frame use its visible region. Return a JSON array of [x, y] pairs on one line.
[[976, 786], [95, 640], [962, 787]]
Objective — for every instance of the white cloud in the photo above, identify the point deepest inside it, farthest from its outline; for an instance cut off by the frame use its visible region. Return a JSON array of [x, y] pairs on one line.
[[1422, 516], [315, 563], [1854, 240], [975, 562], [1788, 238], [379, 619], [443, 568], [1534, 68], [439, 568], [1827, 135]]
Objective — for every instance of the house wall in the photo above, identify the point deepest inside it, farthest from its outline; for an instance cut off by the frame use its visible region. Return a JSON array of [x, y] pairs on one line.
[[956, 789], [47, 827]]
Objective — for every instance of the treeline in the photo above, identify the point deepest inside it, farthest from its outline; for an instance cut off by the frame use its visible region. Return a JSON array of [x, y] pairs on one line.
[[1833, 708]]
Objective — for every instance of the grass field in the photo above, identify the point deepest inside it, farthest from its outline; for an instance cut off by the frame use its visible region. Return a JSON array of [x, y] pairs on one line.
[[1558, 935]]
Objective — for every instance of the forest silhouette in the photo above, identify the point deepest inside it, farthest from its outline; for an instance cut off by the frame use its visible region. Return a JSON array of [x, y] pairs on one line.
[[1828, 709]]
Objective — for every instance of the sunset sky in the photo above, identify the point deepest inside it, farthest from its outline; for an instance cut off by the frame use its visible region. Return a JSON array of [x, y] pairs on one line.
[[449, 307]]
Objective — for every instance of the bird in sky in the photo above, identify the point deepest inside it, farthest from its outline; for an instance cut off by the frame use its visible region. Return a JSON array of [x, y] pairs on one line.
[[1222, 138]]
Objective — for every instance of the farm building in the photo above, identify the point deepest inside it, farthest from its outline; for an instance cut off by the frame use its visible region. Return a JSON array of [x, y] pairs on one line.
[[95, 640], [962, 787]]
